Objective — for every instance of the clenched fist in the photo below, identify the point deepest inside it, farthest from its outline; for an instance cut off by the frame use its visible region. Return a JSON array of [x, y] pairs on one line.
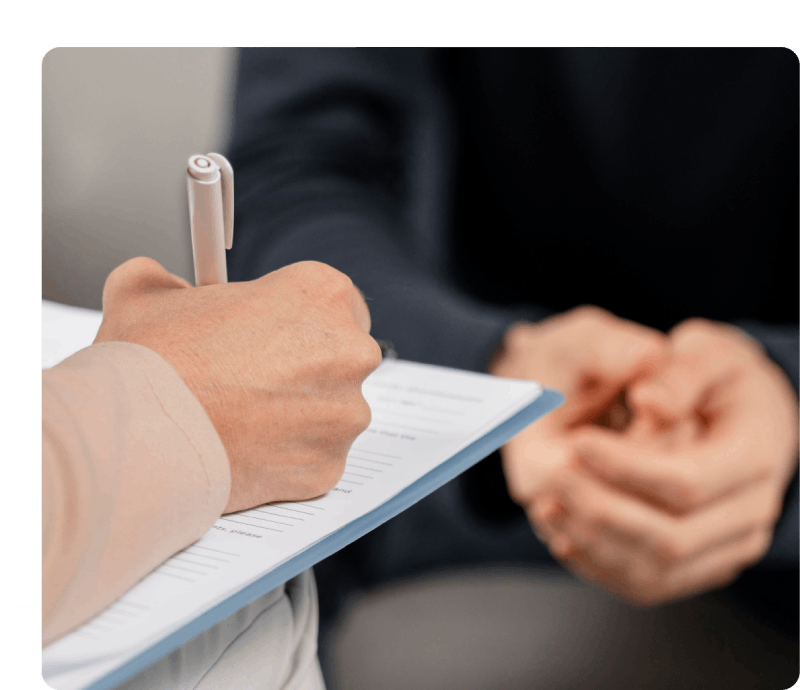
[[277, 363]]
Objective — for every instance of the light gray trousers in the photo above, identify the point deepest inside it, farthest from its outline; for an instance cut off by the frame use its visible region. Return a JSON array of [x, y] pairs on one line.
[[270, 644]]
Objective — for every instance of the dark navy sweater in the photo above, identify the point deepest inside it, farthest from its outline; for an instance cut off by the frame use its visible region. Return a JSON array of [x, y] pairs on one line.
[[464, 189]]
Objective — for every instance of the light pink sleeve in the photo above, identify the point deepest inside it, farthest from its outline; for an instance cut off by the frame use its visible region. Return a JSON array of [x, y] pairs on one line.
[[132, 471]]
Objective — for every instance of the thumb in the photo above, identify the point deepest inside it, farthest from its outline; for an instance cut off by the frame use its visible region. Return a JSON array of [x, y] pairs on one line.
[[625, 351], [136, 277], [608, 360]]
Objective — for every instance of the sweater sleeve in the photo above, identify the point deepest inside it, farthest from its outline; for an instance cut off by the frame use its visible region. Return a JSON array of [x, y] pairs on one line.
[[340, 158], [782, 344], [132, 471]]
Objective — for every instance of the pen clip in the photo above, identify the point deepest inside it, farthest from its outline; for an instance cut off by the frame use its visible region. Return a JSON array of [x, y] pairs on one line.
[[226, 178]]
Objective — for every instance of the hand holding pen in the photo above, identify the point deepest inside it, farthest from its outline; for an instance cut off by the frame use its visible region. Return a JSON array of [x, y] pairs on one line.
[[209, 181], [277, 363]]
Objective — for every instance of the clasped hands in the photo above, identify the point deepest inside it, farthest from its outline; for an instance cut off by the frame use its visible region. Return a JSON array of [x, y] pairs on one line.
[[663, 474]]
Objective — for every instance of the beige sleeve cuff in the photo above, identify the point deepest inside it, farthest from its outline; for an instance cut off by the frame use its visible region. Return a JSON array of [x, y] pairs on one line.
[[132, 471]]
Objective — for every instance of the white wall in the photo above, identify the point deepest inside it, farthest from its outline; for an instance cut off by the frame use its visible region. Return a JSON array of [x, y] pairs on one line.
[[118, 125]]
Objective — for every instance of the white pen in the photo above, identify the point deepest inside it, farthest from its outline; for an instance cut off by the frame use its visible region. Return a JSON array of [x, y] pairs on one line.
[[209, 180]]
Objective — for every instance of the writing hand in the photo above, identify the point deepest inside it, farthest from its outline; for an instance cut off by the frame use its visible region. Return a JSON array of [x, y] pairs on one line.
[[277, 363]]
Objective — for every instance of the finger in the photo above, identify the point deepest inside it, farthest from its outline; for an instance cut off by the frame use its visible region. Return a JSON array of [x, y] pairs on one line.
[[642, 579], [625, 351], [139, 276], [705, 353], [603, 358], [605, 549], [719, 567], [600, 519], [561, 546], [595, 510], [555, 526], [582, 564], [681, 479], [545, 507], [699, 337], [546, 515], [679, 388], [529, 460], [643, 585], [543, 533], [671, 434], [552, 535]]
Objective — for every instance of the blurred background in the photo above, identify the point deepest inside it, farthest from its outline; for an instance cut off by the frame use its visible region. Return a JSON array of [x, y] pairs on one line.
[[118, 127]]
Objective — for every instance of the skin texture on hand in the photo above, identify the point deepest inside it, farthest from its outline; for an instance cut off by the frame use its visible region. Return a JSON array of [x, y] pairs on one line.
[[277, 364], [588, 354], [683, 495]]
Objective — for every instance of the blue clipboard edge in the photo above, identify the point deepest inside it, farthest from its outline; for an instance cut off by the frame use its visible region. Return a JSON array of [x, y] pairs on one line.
[[448, 470]]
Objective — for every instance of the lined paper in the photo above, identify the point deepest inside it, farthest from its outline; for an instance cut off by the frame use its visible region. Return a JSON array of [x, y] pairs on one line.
[[422, 415]]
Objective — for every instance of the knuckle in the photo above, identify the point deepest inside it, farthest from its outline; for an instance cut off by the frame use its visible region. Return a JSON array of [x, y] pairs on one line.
[[654, 344], [124, 272], [696, 324], [347, 420], [370, 356], [341, 282], [520, 495], [317, 273], [693, 331], [360, 356], [309, 268], [591, 314], [118, 280], [133, 275], [140, 264], [330, 473], [361, 416], [330, 275], [517, 339]]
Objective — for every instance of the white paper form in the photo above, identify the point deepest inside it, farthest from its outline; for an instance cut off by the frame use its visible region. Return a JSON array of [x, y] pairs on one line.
[[422, 415]]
